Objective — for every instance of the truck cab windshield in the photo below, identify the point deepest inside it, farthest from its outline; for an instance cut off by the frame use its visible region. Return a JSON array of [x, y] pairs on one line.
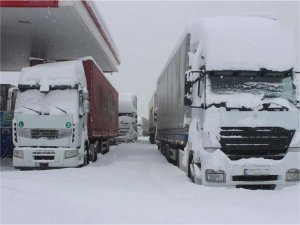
[[267, 84], [53, 102]]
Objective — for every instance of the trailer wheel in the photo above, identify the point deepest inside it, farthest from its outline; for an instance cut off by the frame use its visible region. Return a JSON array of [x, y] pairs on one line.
[[162, 147], [167, 153], [93, 152], [107, 146], [151, 139]]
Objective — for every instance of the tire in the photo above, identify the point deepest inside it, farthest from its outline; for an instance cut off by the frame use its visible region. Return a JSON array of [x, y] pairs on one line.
[[176, 163], [167, 153], [93, 152], [151, 139], [86, 155], [162, 148], [107, 147], [191, 172]]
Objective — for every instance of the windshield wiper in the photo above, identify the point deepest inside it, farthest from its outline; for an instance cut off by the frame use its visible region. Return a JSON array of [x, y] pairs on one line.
[[61, 109], [38, 112], [266, 106], [223, 104]]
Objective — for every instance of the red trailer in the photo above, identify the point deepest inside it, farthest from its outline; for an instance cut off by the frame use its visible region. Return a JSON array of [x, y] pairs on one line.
[[103, 115]]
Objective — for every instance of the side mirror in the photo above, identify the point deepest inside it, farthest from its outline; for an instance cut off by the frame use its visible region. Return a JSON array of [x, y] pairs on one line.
[[191, 77], [297, 103], [12, 93], [155, 115], [86, 106], [86, 95]]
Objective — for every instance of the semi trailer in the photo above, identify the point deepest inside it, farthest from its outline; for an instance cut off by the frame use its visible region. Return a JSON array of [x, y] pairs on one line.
[[65, 114], [228, 112]]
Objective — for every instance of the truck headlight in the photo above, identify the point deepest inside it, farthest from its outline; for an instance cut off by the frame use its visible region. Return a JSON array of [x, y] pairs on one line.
[[71, 153], [18, 154], [292, 175], [294, 149], [24, 132], [62, 133], [215, 176]]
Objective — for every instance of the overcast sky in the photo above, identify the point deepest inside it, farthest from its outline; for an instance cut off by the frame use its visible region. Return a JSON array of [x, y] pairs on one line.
[[146, 32]]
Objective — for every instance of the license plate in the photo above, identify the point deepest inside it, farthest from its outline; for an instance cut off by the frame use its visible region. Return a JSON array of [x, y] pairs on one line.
[[252, 172]]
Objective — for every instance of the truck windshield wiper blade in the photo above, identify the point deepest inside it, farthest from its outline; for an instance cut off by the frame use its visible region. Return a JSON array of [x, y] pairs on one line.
[[61, 109], [266, 106], [223, 104], [38, 112]]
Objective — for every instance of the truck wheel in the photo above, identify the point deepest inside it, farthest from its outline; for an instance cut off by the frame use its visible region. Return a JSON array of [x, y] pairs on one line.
[[167, 153], [191, 171], [107, 146], [176, 161], [86, 155], [151, 139], [162, 148], [93, 152]]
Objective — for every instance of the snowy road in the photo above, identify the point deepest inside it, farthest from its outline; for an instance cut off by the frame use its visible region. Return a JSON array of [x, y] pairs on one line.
[[133, 183]]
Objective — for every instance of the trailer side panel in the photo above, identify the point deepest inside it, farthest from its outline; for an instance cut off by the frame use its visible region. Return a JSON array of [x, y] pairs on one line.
[[103, 115]]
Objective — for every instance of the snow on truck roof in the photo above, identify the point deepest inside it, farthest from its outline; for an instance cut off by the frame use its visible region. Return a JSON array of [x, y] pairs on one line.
[[127, 102], [58, 73], [241, 43]]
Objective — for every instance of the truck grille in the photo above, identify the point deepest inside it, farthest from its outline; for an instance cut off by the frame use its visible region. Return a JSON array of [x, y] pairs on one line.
[[247, 142], [255, 178], [123, 131], [44, 133], [43, 155]]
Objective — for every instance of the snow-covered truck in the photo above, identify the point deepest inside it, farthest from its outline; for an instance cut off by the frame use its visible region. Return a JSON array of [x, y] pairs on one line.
[[228, 112], [152, 109], [127, 117], [7, 91], [66, 113]]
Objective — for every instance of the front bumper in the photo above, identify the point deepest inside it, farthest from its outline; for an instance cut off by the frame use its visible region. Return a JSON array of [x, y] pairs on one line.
[[251, 171], [46, 158]]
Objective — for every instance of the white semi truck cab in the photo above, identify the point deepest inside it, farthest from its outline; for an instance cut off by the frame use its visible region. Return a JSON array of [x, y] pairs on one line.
[[228, 111], [127, 117], [50, 119], [245, 111]]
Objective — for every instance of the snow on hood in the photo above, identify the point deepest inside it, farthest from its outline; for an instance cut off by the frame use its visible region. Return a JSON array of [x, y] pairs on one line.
[[241, 43], [58, 73]]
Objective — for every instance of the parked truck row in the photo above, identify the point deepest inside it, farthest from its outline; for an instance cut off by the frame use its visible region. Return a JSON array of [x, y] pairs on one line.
[[227, 106]]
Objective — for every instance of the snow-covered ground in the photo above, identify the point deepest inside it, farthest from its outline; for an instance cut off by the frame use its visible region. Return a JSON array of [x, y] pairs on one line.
[[133, 183]]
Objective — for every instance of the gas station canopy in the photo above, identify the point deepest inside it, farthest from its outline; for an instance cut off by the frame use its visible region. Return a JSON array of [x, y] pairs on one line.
[[54, 30]]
